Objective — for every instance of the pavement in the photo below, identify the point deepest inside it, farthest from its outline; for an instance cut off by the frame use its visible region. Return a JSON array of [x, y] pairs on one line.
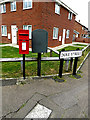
[[68, 99]]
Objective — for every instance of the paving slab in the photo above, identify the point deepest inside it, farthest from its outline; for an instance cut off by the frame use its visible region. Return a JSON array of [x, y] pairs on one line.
[[39, 111], [57, 111]]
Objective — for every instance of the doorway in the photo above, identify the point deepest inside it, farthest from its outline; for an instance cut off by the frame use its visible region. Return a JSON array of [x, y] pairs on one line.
[[14, 34]]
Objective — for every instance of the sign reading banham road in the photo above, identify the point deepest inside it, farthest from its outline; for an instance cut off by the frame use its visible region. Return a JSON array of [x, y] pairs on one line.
[[70, 54]]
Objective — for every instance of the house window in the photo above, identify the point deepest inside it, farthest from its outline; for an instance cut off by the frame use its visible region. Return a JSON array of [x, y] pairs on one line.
[[57, 9], [70, 16], [4, 30], [68, 31], [84, 36], [28, 27], [13, 6], [2, 8], [27, 4], [55, 33]]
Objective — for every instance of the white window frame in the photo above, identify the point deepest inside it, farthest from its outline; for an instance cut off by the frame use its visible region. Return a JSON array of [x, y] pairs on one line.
[[70, 15], [12, 6], [77, 35], [2, 8], [57, 7], [27, 2], [30, 33], [82, 28], [68, 33], [5, 32], [55, 35]]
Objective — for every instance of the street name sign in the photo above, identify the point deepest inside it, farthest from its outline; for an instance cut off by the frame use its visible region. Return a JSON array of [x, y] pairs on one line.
[[70, 54]]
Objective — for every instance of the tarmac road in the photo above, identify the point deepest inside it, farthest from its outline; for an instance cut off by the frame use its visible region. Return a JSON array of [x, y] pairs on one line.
[[66, 100]]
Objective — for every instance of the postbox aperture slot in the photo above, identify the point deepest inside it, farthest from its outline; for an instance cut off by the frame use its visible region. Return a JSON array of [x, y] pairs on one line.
[[23, 34]]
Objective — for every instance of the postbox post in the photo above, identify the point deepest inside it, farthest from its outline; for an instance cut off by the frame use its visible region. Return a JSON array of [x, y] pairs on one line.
[[23, 45], [23, 66]]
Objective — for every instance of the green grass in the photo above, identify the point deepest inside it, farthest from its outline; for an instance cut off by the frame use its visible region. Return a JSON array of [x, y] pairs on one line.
[[14, 53], [2, 43], [71, 48], [82, 57], [13, 69], [57, 77], [48, 55], [80, 45], [79, 71], [11, 52], [72, 76]]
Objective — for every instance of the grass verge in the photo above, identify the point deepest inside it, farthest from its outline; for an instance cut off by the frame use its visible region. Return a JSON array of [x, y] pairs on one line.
[[13, 69], [73, 76], [71, 48], [80, 45]]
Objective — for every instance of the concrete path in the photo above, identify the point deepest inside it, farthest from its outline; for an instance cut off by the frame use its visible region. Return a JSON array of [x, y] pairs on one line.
[[71, 44], [54, 48], [65, 100]]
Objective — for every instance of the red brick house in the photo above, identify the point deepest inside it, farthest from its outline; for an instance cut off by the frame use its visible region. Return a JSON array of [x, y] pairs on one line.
[[55, 17], [80, 33]]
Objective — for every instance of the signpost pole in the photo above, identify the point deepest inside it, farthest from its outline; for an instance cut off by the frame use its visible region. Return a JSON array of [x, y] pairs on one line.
[[75, 64], [23, 66], [39, 64], [61, 68], [61, 65]]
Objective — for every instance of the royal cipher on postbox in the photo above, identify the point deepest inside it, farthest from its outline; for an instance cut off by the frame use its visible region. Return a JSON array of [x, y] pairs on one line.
[[23, 36]]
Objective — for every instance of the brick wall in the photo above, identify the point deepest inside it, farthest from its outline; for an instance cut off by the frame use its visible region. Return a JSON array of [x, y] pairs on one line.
[[78, 28], [50, 20], [84, 40], [41, 16], [21, 17]]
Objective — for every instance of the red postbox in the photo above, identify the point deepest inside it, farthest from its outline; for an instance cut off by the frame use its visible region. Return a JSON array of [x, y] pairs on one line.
[[23, 36]]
